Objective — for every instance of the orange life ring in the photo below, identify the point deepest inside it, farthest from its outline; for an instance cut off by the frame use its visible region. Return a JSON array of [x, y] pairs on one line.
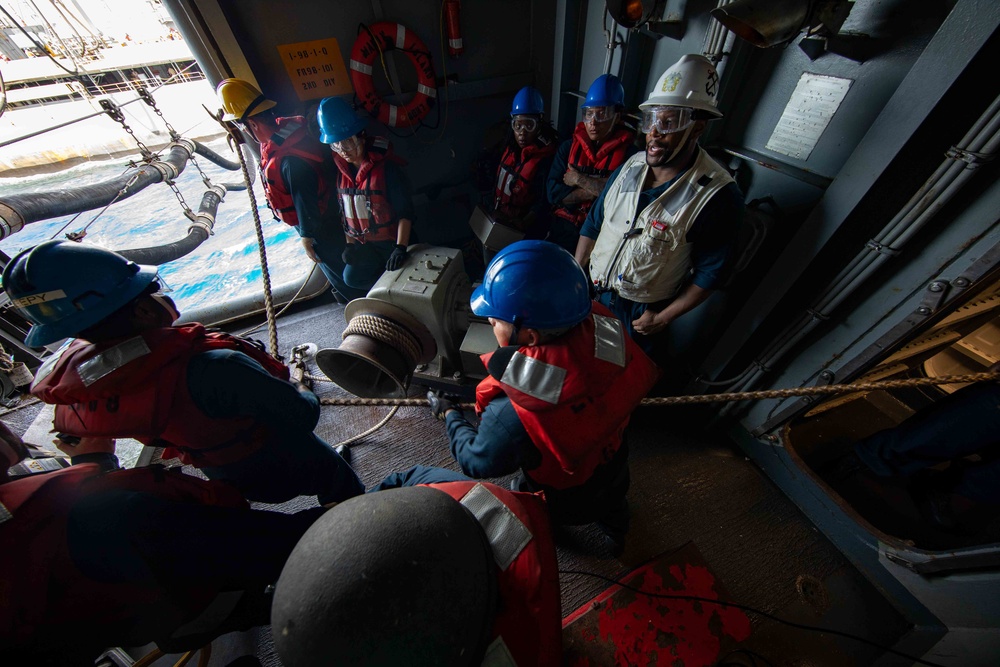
[[392, 36]]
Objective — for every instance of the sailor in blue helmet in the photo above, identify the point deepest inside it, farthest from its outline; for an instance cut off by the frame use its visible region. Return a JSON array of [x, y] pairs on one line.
[[519, 198], [297, 174], [215, 401], [560, 389], [600, 144], [373, 192]]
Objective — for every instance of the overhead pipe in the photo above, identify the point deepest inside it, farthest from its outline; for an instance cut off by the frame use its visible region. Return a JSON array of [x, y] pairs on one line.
[[201, 228], [979, 144], [17, 211]]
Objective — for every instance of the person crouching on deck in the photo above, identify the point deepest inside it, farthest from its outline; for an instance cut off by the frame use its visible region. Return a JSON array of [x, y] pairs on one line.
[[94, 559], [216, 401], [374, 195], [560, 389]]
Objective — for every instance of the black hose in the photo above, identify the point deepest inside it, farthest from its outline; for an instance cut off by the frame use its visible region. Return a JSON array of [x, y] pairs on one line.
[[215, 158], [45, 205], [234, 187], [204, 221], [162, 254]]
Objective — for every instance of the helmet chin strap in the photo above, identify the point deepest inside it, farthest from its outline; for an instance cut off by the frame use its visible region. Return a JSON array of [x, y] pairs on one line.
[[682, 144], [516, 331]]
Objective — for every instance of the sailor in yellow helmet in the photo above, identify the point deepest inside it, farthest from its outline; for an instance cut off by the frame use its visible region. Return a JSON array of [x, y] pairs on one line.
[[298, 177]]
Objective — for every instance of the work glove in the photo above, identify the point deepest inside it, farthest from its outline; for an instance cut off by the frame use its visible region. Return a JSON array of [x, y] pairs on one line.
[[441, 403], [350, 253], [396, 258]]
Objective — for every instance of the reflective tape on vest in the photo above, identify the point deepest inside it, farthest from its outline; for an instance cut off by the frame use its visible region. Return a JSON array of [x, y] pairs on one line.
[[112, 359], [455, 43], [498, 655], [609, 340], [507, 535], [535, 378]]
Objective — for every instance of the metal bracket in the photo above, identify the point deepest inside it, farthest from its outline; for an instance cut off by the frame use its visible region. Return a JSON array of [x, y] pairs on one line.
[[875, 246], [971, 159], [937, 294]]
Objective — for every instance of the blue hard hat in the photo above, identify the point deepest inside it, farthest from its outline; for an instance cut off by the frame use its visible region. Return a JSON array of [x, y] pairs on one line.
[[534, 284], [606, 91], [337, 120], [527, 101], [63, 287]]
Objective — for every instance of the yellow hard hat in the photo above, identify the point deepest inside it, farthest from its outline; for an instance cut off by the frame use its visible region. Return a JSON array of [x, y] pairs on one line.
[[240, 100]]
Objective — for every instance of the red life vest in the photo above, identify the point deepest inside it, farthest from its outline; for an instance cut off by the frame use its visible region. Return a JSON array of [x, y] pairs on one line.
[[609, 156], [528, 616], [364, 199], [515, 177], [575, 422], [43, 592], [292, 138], [137, 388]]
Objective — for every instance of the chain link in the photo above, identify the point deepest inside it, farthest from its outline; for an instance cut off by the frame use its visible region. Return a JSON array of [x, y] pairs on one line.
[[115, 113], [147, 97], [188, 213]]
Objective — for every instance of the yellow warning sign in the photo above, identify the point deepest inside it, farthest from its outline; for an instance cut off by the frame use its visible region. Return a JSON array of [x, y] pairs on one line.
[[316, 68]]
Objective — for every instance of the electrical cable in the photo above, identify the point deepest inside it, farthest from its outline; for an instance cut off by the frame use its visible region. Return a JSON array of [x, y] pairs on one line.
[[735, 605]]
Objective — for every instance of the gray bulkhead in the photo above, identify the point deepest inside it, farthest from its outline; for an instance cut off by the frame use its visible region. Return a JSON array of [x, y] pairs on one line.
[[918, 74]]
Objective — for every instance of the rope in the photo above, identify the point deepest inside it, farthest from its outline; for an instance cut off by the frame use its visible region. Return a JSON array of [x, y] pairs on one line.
[[364, 434], [387, 332], [715, 398], [272, 328]]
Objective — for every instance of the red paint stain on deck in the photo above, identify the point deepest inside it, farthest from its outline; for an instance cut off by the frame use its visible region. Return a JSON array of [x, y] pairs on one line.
[[650, 630]]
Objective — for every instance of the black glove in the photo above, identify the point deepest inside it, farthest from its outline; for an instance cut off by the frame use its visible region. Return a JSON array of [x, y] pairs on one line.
[[350, 253], [441, 403], [396, 258]]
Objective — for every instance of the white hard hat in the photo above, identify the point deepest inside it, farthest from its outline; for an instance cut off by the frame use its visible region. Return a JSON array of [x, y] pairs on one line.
[[690, 82]]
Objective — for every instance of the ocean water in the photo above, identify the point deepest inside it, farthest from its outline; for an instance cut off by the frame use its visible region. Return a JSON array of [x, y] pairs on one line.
[[224, 267]]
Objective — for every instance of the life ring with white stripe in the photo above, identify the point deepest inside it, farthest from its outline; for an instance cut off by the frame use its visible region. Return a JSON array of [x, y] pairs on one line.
[[392, 36]]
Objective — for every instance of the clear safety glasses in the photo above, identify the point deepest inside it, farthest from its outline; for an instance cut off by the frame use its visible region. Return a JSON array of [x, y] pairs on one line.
[[666, 120], [347, 145], [598, 114], [524, 123]]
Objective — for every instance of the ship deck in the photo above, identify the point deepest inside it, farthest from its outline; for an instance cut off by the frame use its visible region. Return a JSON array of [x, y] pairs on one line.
[[690, 486]]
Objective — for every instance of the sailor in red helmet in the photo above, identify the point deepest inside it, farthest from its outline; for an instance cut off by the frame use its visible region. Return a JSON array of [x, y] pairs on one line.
[[216, 401], [373, 192], [458, 573], [95, 559], [298, 177], [560, 389]]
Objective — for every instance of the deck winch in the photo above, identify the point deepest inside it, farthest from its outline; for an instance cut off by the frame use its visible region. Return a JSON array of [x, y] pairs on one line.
[[414, 322]]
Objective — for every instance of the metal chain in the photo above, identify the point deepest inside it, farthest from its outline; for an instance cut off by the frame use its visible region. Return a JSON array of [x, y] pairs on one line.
[[188, 213], [715, 398], [204, 177], [147, 97], [115, 112]]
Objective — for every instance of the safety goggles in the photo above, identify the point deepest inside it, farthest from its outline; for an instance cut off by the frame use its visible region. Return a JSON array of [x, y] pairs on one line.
[[598, 114], [348, 145], [666, 120], [524, 123]]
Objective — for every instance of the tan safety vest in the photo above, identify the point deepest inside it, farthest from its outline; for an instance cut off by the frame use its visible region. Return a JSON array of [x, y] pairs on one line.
[[647, 258]]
